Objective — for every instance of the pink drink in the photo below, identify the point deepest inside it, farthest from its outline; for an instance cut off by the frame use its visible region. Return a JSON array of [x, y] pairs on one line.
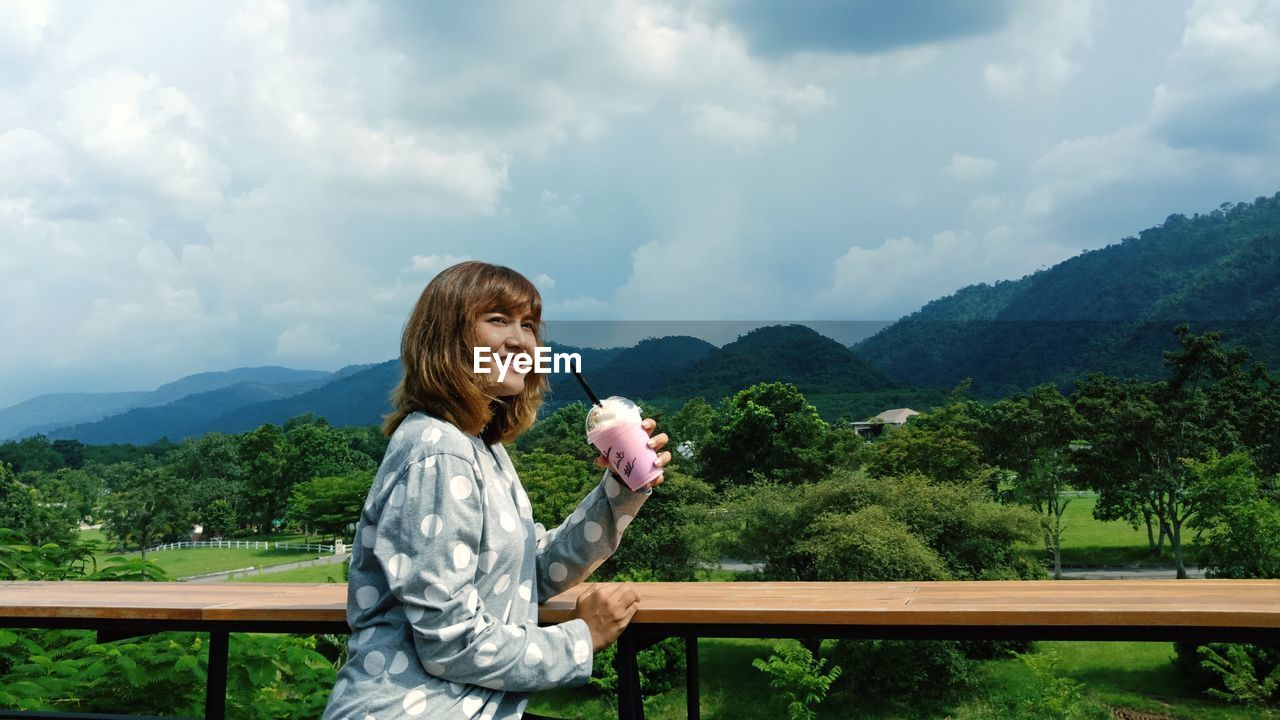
[[614, 428]]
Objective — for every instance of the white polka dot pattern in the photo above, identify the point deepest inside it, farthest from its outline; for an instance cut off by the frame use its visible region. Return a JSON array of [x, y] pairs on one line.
[[415, 702], [451, 534], [453, 632], [557, 572], [485, 654], [374, 662], [532, 655], [398, 566], [461, 556], [432, 525], [460, 487], [366, 597]]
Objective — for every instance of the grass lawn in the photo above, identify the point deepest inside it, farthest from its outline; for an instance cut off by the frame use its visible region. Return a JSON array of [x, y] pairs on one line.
[[314, 574], [1087, 541], [1121, 674], [198, 561]]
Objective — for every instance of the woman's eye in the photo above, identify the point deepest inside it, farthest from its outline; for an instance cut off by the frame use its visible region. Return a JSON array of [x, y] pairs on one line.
[[529, 325], [497, 320]]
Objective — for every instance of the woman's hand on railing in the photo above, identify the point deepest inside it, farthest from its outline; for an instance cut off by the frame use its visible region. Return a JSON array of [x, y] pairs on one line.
[[607, 609]]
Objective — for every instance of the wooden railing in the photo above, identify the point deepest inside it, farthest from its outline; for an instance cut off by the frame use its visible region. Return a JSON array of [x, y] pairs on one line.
[[1153, 610]]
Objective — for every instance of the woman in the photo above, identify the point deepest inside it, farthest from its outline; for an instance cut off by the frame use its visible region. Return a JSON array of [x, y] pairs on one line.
[[448, 566]]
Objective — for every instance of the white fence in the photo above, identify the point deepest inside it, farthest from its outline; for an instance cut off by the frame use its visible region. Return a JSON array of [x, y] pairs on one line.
[[248, 544]]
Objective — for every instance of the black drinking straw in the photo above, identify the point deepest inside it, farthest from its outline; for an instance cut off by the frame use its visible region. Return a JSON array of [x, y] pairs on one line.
[[595, 400]]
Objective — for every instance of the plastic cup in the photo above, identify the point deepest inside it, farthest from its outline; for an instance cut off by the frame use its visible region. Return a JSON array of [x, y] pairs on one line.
[[614, 428]]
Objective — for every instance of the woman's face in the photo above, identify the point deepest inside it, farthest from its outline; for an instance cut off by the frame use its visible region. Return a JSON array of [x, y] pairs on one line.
[[504, 334]]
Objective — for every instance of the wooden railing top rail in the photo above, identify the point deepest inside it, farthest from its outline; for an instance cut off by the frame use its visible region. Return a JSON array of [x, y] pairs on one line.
[[1152, 603]]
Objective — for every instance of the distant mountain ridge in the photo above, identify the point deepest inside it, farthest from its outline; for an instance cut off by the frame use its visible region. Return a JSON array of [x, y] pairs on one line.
[[1108, 310], [671, 368], [44, 413]]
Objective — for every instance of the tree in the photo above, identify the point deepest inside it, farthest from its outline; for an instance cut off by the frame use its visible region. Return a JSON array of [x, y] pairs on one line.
[[318, 450], [667, 541], [1238, 525], [27, 512], [262, 453], [1238, 531], [213, 471], [330, 504], [219, 518], [1140, 434], [942, 444], [154, 506], [693, 424], [769, 431], [1029, 437], [555, 483], [32, 453], [563, 432], [852, 527]]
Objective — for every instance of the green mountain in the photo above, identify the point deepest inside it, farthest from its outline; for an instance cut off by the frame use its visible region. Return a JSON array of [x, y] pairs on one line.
[[635, 372], [786, 353], [46, 413], [1108, 310], [186, 417]]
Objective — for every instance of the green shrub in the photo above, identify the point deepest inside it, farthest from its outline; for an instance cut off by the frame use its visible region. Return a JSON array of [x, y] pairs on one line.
[[1052, 696], [904, 670], [798, 677], [661, 668]]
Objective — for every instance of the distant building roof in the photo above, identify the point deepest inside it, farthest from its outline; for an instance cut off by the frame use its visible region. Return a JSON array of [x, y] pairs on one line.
[[896, 416]]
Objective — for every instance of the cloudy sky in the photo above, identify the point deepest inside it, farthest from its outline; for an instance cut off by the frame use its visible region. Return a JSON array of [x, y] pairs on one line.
[[190, 186]]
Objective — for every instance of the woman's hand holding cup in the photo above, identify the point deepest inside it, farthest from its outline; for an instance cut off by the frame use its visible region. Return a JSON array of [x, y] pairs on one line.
[[656, 442]]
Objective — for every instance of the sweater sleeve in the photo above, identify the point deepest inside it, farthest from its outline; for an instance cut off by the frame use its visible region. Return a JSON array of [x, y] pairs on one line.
[[568, 554], [427, 544]]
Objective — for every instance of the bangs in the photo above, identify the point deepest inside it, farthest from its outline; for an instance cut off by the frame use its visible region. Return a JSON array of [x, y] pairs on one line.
[[511, 294]]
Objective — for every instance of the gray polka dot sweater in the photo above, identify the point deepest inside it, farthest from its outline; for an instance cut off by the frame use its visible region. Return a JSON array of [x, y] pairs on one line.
[[447, 569]]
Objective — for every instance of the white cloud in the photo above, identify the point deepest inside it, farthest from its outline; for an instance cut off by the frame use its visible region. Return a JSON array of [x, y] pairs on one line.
[[968, 168], [433, 264], [735, 127], [544, 282], [1045, 38], [304, 342], [901, 274], [556, 207], [1223, 92], [23, 24]]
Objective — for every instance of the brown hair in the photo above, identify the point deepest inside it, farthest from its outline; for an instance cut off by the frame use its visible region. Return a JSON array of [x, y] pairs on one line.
[[436, 353]]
